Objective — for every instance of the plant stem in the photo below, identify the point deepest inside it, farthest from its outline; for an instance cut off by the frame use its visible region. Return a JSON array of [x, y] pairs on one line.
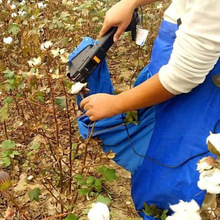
[[70, 137], [86, 147], [5, 130], [15, 203], [85, 155], [59, 201], [56, 125], [57, 216]]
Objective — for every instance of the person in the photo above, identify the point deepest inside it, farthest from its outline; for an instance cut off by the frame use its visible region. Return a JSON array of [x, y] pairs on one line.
[[177, 102]]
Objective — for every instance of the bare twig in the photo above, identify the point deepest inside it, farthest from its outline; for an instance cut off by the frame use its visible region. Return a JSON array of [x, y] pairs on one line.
[[85, 155], [56, 126], [5, 130], [27, 100], [57, 216], [58, 200], [70, 137], [15, 203]]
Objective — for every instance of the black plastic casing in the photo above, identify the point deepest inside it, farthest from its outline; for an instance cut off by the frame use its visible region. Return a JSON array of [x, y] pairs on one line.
[[88, 59]]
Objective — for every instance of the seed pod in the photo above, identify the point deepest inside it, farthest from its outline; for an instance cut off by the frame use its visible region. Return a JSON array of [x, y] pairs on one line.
[[216, 80], [5, 181]]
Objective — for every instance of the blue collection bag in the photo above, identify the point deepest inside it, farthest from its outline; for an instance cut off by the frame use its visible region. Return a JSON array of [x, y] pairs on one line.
[[162, 151]]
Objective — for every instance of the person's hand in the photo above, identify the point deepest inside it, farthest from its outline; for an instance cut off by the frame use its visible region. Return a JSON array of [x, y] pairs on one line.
[[99, 106], [120, 16]]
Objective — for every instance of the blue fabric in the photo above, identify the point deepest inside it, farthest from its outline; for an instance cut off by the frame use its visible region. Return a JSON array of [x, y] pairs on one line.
[[182, 126], [171, 135], [111, 130]]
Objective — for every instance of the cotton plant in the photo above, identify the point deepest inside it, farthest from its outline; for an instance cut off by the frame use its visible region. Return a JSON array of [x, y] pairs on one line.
[[185, 211], [208, 167]]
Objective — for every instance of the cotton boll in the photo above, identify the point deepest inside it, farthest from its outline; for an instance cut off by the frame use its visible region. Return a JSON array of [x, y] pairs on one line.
[[13, 15], [41, 5], [7, 40], [34, 62], [46, 45], [184, 216], [13, 6], [206, 163], [77, 87], [185, 211], [209, 187], [22, 2], [185, 206], [210, 181], [99, 211], [21, 13], [213, 142], [215, 177]]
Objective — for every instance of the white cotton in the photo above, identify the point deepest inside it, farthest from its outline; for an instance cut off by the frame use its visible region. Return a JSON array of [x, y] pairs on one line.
[[77, 87], [185, 206], [13, 15], [35, 62], [184, 216], [41, 5], [7, 40], [185, 211], [64, 58], [214, 139], [57, 52], [46, 45], [215, 177], [21, 13], [22, 2], [209, 187], [99, 211], [13, 6], [206, 163], [210, 181]]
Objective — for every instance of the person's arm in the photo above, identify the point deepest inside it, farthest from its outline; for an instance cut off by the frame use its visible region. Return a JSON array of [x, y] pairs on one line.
[[102, 105], [120, 16]]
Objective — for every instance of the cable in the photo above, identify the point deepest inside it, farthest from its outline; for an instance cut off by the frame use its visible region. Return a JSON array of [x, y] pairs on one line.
[[216, 125], [154, 160]]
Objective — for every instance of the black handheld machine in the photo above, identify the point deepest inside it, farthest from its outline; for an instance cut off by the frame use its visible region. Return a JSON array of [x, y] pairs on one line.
[[86, 61]]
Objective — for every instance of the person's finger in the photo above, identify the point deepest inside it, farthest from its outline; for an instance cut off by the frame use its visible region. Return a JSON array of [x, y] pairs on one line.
[[119, 32], [92, 118], [89, 113], [87, 106], [84, 102], [106, 26]]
